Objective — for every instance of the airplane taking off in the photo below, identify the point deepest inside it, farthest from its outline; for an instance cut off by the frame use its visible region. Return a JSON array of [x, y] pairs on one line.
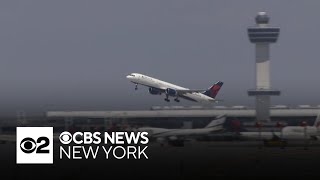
[[157, 87]]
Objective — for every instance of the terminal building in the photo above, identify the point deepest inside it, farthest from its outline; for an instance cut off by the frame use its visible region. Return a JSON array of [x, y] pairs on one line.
[[188, 117]]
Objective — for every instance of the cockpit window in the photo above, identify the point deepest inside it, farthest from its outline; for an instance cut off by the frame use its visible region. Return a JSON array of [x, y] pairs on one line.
[[131, 75]]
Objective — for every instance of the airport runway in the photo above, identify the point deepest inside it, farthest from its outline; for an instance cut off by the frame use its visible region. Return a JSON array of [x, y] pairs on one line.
[[196, 159]]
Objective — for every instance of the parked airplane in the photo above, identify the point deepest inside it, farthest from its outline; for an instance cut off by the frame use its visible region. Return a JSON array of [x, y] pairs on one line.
[[289, 132], [157, 87], [174, 136]]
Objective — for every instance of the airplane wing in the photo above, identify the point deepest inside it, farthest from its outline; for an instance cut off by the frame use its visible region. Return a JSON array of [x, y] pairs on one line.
[[184, 91]]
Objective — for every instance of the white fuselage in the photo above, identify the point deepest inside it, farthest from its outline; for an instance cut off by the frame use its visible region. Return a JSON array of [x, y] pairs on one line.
[[156, 83], [289, 132]]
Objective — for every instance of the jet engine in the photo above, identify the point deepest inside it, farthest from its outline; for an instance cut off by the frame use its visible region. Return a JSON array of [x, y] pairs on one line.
[[171, 92]]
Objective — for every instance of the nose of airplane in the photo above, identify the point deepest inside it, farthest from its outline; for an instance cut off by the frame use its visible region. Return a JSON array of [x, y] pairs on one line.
[[128, 77]]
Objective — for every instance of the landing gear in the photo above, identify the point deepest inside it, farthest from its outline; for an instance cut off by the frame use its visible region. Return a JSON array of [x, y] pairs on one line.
[[167, 98], [136, 87]]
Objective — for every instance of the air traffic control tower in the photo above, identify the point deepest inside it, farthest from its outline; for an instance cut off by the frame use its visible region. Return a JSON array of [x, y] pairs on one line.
[[262, 35]]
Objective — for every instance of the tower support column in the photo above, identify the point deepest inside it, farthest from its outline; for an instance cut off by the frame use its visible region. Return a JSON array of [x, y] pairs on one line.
[[262, 35]]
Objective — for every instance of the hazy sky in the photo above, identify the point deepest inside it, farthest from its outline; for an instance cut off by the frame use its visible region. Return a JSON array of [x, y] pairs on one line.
[[75, 54]]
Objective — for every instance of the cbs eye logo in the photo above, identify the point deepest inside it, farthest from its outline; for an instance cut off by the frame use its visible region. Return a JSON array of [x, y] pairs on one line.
[[65, 137], [28, 145], [34, 145]]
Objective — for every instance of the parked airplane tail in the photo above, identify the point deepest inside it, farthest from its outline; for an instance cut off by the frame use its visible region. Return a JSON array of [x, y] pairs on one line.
[[218, 121], [214, 89], [317, 121]]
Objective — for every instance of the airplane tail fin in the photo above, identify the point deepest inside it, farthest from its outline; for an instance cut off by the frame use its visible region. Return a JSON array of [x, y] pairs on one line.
[[217, 122], [317, 121], [213, 90]]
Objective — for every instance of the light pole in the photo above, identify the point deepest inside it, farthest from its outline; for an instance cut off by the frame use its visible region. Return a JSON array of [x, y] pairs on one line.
[[281, 125], [304, 124], [259, 126]]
